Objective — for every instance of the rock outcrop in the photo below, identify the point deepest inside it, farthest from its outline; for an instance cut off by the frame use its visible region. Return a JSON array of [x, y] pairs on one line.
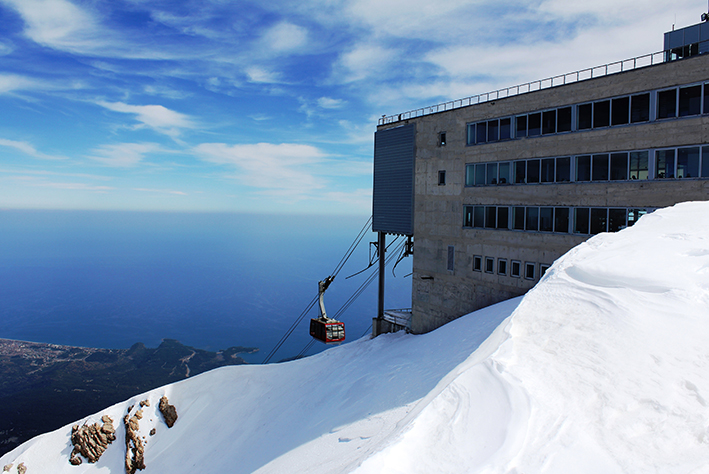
[[135, 450], [169, 413], [91, 441]]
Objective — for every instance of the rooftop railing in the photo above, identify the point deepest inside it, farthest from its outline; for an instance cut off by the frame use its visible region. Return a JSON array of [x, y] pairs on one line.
[[560, 80]]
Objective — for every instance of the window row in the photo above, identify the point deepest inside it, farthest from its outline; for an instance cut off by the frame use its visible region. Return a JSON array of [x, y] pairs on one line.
[[684, 162], [638, 108], [561, 220], [514, 269]]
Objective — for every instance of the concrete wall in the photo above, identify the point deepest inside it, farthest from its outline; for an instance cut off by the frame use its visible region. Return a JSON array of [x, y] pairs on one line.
[[444, 295]]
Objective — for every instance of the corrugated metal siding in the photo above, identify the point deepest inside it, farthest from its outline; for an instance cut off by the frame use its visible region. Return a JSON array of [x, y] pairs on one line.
[[393, 194]]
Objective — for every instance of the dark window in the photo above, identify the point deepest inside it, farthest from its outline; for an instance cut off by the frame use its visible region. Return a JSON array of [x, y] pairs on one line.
[[563, 169], [619, 166], [547, 174], [634, 215], [468, 216], [584, 116], [505, 129], [518, 218], [479, 217], [442, 178], [690, 101], [490, 217], [688, 162], [451, 258], [515, 268], [442, 139], [532, 220], [581, 220], [600, 168], [481, 132], [521, 126], [532, 171], [667, 104], [491, 177], [471, 134], [480, 173], [705, 162], [601, 113], [489, 265], [477, 263], [583, 168], [564, 120], [501, 266], [469, 175], [616, 219], [549, 122], [665, 164], [520, 168], [529, 270], [543, 269], [620, 111], [504, 170], [546, 219], [493, 129], [503, 220], [638, 165], [640, 108], [561, 220], [706, 98], [599, 218], [535, 124]]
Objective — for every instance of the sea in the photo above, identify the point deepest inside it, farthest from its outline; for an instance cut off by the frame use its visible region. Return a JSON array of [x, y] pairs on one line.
[[210, 280]]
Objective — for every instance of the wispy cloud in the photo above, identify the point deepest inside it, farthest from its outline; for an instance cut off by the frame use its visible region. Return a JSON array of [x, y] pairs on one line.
[[285, 37], [123, 155], [28, 149], [160, 191], [157, 117], [330, 103]]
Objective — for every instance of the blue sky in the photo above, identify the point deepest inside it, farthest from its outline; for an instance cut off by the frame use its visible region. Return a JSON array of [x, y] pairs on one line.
[[216, 105]]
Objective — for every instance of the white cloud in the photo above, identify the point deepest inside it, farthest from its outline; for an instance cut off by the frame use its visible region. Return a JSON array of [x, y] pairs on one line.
[[123, 155], [157, 117], [285, 37], [330, 103], [160, 191], [28, 149], [260, 75], [364, 61]]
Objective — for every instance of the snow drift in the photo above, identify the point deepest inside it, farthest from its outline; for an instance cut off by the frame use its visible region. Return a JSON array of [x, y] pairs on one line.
[[602, 367]]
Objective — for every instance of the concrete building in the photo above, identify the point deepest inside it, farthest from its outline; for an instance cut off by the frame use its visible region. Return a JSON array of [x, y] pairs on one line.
[[494, 188]]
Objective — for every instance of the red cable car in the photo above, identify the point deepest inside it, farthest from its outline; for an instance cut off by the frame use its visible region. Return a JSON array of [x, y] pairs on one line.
[[329, 331]]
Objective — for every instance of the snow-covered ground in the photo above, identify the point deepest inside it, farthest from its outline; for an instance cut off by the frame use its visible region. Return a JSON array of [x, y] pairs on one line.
[[602, 368]]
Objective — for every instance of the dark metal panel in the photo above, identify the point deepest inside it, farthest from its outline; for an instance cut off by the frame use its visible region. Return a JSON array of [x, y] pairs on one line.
[[393, 194]]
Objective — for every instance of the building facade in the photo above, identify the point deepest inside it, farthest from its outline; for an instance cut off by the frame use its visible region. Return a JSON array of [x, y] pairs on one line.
[[494, 192]]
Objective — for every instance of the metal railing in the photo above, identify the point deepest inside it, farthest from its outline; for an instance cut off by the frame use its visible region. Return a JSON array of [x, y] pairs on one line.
[[400, 317], [560, 80]]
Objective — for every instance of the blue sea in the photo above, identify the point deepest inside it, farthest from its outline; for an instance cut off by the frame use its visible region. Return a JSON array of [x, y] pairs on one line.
[[111, 279]]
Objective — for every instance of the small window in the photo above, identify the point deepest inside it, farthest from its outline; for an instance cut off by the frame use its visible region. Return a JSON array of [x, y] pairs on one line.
[[706, 98], [521, 126], [529, 268], [690, 101], [493, 130], [442, 178], [532, 171], [583, 168], [505, 129], [634, 215], [585, 113], [469, 175], [502, 266], [705, 162], [665, 164], [503, 221], [442, 139], [481, 132], [489, 265], [451, 258], [640, 108], [563, 170], [581, 220], [490, 217], [564, 120], [543, 267], [532, 218], [546, 219], [667, 104], [479, 217], [599, 220], [534, 124], [480, 173], [471, 134], [549, 122], [518, 218], [616, 220], [520, 168], [561, 220], [601, 113], [491, 176], [477, 263], [515, 268], [547, 174], [639, 165], [600, 168], [688, 162], [620, 109], [504, 173], [468, 216], [619, 166]]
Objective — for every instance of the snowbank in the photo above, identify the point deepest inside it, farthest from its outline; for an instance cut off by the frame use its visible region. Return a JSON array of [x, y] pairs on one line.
[[602, 367]]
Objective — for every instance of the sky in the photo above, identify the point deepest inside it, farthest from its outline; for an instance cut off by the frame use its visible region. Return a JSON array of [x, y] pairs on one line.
[[267, 107]]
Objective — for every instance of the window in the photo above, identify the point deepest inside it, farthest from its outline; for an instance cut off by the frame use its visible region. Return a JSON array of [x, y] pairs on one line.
[[502, 266], [600, 168], [706, 98], [503, 220], [620, 109], [599, 220], [547, 174], [549, 122], [546, 219], [489, 265], [490, 217], [640, 108], [469, 175], [619, 166], [616, 219], [518, 218], [690, 101], [489, 131], [563, 170], [481, 132], [601, 113], [534, 122], [451, 258], [529, 270], [520, 168], [442, 139], [543, 267], [583, 168], [477, 263], [581, 219], [638, 165], [634, 215], [667, 104], [521, 126], [532, 171], [505, 129], [493, 130], [515, 268], [705, 162], [585, 113], [491, 175], [664, 164], [442, 178], [561, 220], [532, 218], [564, 120], [688, 162], [480, 173], [479, 217], [468, 216], [504, 170]]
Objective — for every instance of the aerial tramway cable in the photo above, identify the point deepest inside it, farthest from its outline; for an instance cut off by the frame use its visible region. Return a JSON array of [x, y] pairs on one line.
[[339, 266]]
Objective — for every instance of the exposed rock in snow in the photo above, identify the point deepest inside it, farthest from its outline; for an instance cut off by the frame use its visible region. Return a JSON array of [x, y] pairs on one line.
[[91, 441], [169, 412]]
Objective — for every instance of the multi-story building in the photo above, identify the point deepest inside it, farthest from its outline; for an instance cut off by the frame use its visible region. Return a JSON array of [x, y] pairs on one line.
[[494, 188]]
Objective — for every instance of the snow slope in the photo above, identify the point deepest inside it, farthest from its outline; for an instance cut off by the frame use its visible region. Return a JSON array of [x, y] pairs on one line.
[[601, 368]]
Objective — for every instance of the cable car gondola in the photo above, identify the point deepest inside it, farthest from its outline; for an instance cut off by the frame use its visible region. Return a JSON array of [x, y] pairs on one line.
[[324, 329]]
